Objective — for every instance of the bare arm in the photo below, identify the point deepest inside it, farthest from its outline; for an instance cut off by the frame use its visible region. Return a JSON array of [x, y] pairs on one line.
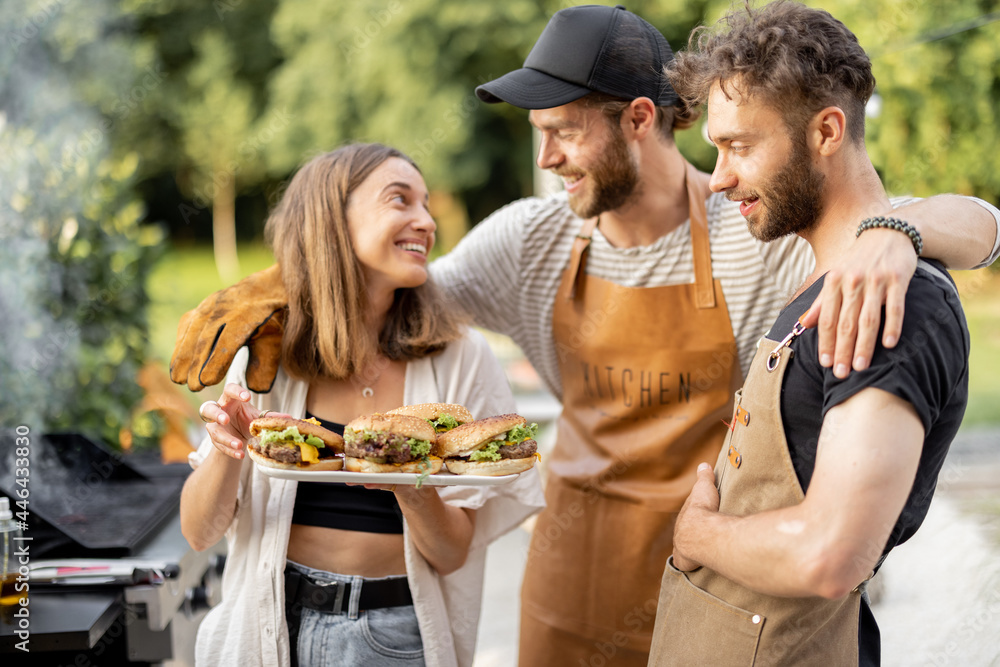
[[208, 500], [441, 532], [866, 462], [955, 230]]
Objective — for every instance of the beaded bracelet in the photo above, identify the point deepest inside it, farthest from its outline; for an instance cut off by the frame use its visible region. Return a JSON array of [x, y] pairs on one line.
[[893, 223]]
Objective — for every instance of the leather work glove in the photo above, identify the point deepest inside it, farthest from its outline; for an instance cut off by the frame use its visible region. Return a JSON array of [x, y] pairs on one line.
[[252, 313]]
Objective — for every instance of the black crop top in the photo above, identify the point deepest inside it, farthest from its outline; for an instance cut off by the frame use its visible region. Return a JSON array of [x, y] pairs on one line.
[[346, 507]]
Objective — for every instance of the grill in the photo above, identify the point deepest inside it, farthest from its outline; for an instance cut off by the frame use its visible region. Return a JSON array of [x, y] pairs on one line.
[[85, 498], [113, 581]]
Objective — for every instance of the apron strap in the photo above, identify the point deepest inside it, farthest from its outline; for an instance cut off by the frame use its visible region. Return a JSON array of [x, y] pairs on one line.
[[578, 258], [698, 192]]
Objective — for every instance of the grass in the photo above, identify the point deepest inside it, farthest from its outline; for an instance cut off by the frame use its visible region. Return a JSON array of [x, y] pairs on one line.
[[980, 291], [186, 275]]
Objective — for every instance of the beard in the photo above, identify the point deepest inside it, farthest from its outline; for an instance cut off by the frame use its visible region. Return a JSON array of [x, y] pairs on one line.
[[614, 180], [792, 199]]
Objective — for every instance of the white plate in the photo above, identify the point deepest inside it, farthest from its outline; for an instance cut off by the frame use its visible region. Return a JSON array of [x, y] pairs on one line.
[[439, 479]]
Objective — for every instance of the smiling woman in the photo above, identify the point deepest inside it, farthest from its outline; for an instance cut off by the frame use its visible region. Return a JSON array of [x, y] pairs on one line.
[[332, 572], [386, 215], [351, 229]]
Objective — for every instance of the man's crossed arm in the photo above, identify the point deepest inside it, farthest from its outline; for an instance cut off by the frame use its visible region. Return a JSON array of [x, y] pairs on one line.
[[866, 462]]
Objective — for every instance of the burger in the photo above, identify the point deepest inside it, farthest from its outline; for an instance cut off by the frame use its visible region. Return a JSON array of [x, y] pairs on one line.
[[442, 416], [501, 445], [391, 443], [294, 444]]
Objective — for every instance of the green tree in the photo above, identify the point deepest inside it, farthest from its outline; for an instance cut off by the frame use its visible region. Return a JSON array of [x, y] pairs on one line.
[[214, 119], [938, 73], [201, 129], [404, 72], [297, 77], [74, 255]]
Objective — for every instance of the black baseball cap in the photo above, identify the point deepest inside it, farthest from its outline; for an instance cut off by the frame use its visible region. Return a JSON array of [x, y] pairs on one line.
[[591, 48]]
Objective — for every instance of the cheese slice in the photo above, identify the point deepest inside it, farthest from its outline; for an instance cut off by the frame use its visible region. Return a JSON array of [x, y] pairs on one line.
[[309, 453]]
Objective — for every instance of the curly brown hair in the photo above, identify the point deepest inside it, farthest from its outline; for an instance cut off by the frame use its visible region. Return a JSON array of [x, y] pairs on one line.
[[797, 59]]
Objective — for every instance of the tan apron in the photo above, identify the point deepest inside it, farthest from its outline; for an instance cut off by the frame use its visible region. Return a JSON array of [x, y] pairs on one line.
[[647, 378], [705, 619]]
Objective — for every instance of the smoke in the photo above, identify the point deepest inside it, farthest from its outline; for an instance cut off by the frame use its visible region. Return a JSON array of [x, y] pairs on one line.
[[60, 64]]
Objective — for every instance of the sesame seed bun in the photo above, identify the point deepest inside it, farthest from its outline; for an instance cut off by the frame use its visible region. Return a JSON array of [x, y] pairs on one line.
[[467, 438], [431, 411], [329, 438], [405, 425]]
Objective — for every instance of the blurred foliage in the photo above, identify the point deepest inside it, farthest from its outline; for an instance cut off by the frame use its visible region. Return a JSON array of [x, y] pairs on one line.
[[200, 126], [258, 88], [405, 73], [980, 292], [938, 128], [303, 77], [75, 256]]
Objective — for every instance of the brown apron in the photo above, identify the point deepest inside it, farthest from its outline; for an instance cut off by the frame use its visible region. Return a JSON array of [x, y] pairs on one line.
[[705, 619], [647, 377]]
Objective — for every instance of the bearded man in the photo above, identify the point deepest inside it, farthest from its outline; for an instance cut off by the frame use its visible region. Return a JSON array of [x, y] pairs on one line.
[[821, 475]]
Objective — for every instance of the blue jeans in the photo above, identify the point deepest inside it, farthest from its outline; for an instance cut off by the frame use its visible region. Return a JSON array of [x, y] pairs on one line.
[[377, 637]]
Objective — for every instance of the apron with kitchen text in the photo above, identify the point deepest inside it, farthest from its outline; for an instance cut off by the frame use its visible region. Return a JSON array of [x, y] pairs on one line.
[[706, 619], [647, 377]]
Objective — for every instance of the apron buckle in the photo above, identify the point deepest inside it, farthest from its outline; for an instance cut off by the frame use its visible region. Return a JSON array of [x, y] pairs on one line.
[[775, 356]]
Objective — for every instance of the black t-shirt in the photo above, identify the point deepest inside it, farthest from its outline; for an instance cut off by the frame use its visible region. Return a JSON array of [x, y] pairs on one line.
[[928, 368]]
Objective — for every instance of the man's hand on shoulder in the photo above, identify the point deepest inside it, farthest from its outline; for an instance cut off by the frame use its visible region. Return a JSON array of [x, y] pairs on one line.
[[958, 231], [251, 313], [848, 311]]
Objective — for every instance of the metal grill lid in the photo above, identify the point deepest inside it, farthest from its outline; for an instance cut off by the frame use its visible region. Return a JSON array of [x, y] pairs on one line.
[[93, 501]]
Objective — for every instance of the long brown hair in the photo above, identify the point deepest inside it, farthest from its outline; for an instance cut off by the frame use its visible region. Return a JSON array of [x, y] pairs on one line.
[[325, 333]]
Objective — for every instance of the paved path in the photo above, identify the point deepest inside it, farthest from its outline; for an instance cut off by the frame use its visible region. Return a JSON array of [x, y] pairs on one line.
[[940, 600]]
